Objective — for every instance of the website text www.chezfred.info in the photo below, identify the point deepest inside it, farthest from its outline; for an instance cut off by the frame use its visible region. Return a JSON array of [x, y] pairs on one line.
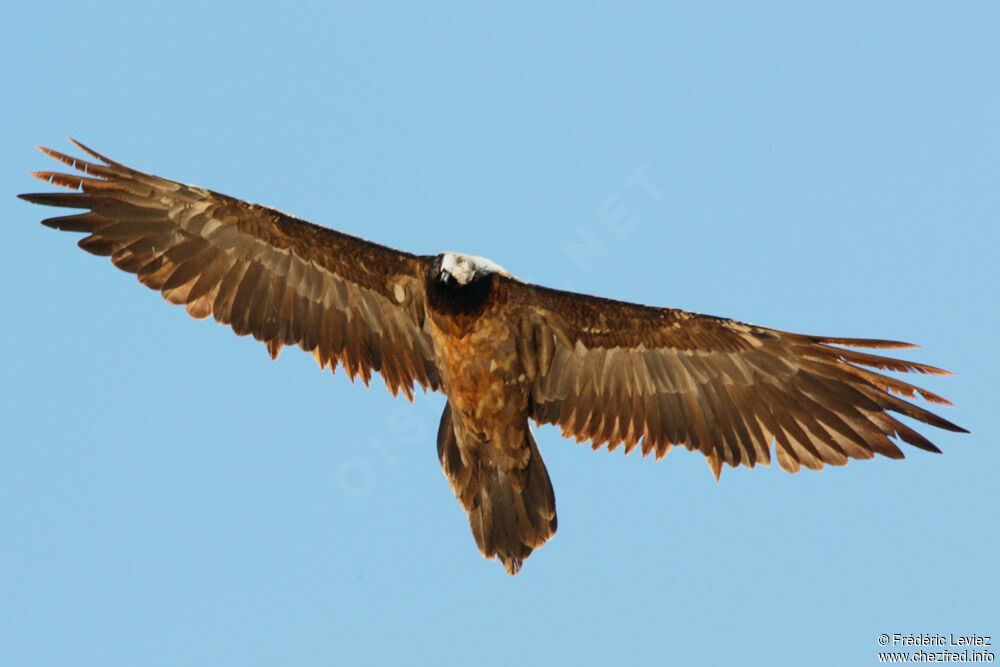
[[910, 648]]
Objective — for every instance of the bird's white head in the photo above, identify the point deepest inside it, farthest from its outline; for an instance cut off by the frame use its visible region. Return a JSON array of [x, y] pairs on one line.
[[463, 269]]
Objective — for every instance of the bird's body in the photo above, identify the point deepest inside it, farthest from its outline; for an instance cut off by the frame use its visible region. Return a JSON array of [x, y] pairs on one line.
[[480, 369], [484, 432], [482, 375], [502, 350]]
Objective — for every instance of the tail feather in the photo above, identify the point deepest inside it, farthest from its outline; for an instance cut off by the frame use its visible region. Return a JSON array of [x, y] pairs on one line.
[[511, 513]]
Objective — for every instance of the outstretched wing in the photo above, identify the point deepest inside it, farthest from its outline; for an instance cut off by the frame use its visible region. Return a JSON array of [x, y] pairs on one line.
[[261, 271], [613, 372]]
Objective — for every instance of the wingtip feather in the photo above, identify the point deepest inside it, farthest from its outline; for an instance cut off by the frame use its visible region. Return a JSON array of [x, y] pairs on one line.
[[90, 151], [873, 343]]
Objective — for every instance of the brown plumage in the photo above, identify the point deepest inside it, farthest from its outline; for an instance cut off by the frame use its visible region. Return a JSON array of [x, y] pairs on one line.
[[502, 350]]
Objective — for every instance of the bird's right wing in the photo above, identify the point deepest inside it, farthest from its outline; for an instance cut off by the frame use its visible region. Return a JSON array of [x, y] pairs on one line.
[[266, 273], [614, 372]]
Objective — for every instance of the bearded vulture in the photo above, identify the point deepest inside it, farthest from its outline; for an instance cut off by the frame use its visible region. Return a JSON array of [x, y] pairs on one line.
[[502, 350]]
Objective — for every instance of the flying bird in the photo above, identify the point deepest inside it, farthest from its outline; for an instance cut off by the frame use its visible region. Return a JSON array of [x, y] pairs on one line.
[[502, 350]]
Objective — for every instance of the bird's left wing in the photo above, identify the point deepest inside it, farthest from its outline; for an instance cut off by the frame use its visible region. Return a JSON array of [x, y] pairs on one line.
[[614, 372], [266, 273]]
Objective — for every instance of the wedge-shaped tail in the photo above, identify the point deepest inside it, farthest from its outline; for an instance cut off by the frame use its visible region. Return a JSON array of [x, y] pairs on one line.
[[510, 513]]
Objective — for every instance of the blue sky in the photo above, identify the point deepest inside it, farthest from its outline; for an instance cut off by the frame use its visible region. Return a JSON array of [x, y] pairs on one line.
[[169, 496]]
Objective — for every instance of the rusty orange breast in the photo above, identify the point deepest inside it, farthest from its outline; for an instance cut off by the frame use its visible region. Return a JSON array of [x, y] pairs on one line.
[[481, 372]]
